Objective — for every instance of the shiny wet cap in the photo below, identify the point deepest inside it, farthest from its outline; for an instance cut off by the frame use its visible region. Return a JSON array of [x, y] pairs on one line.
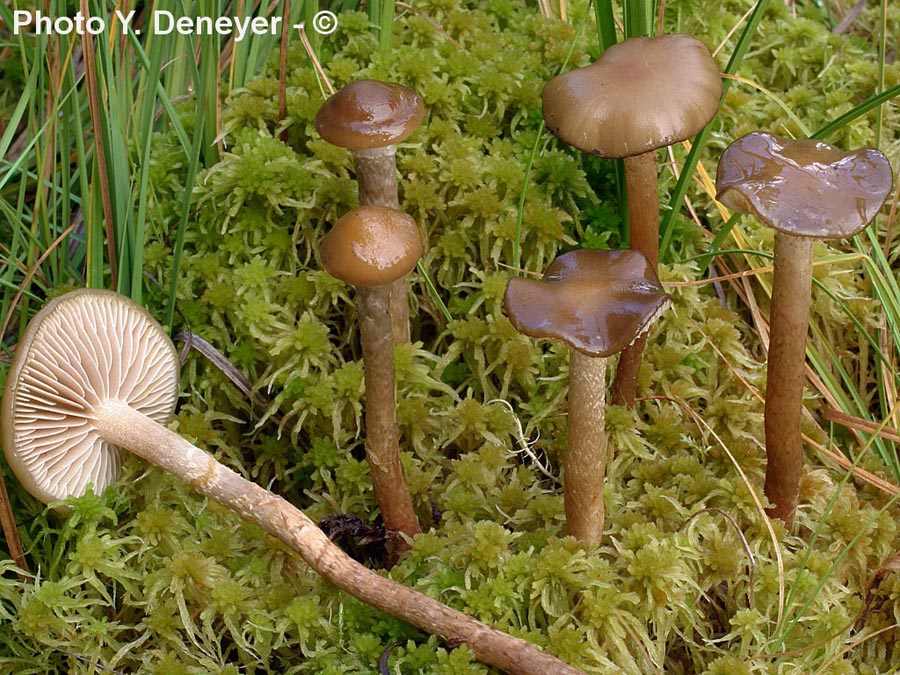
[[83, 348], [372, 246], [640, 95], [597, 302], [369, 114], [806, 188]]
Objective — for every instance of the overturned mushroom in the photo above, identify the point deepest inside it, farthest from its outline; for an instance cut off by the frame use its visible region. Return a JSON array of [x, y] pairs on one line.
[[95, 372], [804, 190], [370, 118], [640, 95], [371, 247], [597, 302]]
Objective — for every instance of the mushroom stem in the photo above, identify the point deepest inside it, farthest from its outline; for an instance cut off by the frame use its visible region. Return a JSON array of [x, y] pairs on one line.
[[120, 425], [641, 175], [789, 323], [643, 226], [376, 174], [585, 460], [382, 431]]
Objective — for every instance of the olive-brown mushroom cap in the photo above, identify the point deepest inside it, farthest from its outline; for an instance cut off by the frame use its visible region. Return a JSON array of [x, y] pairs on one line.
[[640, 95], [368, 114], [372, 246], [597, 302], [803, 187], [83, 348]]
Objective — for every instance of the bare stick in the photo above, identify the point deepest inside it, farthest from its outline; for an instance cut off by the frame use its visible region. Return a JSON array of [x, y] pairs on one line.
[[119, 424]]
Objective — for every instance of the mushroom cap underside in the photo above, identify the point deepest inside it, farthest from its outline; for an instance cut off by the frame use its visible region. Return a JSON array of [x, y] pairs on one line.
[[81, 349], [372, 246], [803, 187], [597, 302], [640, 95], [368, 114]]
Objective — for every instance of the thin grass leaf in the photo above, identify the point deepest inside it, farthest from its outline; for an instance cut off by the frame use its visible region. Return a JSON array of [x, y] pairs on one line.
[[433, 292], [879, 87], [12, 127], [777, 100], [690, 162], [193, 168], [639, 18], [858, 111], [539, 138], [606, 24]]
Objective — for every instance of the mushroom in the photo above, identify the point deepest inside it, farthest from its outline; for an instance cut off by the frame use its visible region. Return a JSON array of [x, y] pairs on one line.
[[94, 372], [640, 95], [805, 190], [83, 353], [598, 303], [371, 247], [370, 118]]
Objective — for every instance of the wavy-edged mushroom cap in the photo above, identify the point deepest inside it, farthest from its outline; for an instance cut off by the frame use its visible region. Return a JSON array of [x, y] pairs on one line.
[[597, 302], [640, 95], [806, 188], [369, 114], [83, 348], [372, 246]]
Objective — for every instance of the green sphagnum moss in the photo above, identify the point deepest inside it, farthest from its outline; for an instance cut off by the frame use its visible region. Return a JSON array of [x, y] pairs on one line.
[[150, 579]]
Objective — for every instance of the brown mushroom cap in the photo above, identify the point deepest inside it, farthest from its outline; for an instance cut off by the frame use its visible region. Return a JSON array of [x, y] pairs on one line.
[[597, 302], [806, 188], [372, 246], [369, 114], [640, 95], [83, 348]]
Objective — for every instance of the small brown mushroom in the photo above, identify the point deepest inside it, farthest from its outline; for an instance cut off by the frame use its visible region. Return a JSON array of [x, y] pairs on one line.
[[371, 247], [640, 95], [95, 372], [598, 303], [370, 118], [805, 190]]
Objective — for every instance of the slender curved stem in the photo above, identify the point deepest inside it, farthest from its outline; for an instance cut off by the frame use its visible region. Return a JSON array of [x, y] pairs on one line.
[[376, 174], [585, 460], [122, 426], [789, 324], [643, 225]]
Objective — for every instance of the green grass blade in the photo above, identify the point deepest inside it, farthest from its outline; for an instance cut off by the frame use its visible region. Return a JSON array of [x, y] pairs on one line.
[[858, 111], [183, 217], [13, 124], [520, 213], [882, 51], [639, 18], [433, 292], [606, 24], [690, 162], [386, 31], [718, 240]]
